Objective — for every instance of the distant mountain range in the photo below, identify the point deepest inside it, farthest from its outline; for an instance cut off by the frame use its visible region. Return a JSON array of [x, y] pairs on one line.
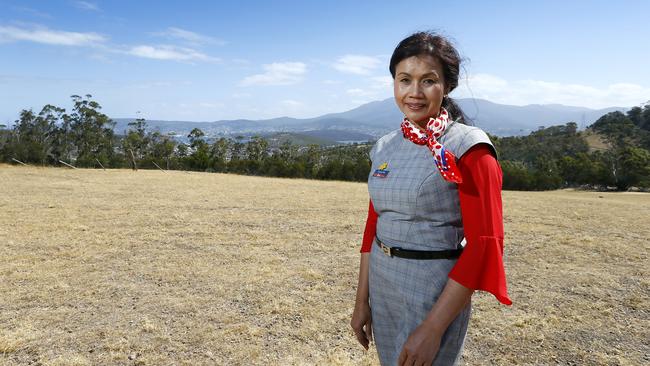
[[374, 119]]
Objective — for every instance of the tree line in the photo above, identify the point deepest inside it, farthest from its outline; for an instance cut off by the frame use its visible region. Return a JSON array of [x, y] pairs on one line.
[[85, 138], [549, 158]]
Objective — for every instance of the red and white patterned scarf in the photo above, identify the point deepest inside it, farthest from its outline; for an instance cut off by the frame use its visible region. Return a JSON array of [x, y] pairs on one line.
[[444, 159]]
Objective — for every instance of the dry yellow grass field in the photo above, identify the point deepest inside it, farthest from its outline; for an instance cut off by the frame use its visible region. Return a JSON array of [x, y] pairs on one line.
[[150, 268]]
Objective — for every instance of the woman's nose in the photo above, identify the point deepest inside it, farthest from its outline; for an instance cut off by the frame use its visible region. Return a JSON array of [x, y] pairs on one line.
[[415, 90]]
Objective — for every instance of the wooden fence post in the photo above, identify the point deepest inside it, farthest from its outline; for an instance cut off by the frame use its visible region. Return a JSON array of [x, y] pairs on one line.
[[18, 161], [100, 163], [154, 163], [64, 163]]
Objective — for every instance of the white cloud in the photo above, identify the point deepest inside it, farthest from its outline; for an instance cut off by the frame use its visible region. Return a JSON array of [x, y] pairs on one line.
[[44, 35], [173, 53], [241, 95], [357, 64], [32, 12], [361, 93], [332, 82], [381, 82], [286, 107], [522, 92], [291, 103], [240, 61], [200, 105], [190, 37], [377, 87], [40, 34], [86, 5], [151, 85], [279, 73], [211, 105]]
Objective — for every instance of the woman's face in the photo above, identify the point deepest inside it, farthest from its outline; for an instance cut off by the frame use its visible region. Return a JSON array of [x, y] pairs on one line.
[[419, 87]]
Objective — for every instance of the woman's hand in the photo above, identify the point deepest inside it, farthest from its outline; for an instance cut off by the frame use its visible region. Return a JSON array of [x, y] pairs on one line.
[[361, 323], [421, 347], [423, 344]]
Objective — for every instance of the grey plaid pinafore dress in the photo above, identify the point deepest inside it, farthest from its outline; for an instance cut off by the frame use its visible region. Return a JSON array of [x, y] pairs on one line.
[[417, 209]]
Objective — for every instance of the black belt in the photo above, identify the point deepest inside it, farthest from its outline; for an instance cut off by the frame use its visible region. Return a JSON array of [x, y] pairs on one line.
[[419, 254]]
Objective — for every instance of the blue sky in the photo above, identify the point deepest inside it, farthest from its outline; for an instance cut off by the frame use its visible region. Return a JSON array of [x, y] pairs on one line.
[[212, 60]]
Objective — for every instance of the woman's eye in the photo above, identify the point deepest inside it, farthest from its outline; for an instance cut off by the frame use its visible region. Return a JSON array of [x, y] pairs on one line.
[[430, 81], [404, 81]]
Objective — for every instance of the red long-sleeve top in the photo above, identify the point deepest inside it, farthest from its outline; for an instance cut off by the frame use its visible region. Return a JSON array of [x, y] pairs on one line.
[[480, 266]]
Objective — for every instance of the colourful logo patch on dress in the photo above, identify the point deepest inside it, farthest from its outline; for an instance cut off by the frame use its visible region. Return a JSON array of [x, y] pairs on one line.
[[381, 171]]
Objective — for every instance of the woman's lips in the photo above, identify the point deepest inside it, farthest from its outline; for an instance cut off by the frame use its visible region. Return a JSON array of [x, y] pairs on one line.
[[415, 106]]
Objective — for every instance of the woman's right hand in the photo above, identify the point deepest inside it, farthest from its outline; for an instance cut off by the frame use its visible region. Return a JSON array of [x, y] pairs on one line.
[[361, 323]]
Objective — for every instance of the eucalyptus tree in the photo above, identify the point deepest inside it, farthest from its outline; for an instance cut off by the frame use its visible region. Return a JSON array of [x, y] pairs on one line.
[[161, 148], [92, 131], [135, 143], [220, 152], [200, 156], [33, 137]]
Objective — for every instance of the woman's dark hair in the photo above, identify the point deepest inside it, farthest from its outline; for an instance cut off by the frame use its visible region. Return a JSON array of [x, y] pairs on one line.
[[435, 45]]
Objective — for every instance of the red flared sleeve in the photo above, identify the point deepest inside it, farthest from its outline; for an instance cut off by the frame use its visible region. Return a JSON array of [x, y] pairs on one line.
[[480, 267], [371, 228]]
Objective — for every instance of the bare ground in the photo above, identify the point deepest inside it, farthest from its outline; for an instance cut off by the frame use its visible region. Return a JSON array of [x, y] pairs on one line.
[[150, 268]]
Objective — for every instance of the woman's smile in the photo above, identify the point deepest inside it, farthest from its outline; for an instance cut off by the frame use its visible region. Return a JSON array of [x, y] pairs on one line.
[[415, 106]]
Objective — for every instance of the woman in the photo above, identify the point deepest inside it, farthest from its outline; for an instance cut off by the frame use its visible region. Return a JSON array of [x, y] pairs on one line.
[[433, 182]]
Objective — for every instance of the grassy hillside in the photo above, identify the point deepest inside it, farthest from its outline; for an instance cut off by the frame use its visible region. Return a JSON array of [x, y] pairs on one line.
[[277, 139], [595, 140], [152, 268]]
